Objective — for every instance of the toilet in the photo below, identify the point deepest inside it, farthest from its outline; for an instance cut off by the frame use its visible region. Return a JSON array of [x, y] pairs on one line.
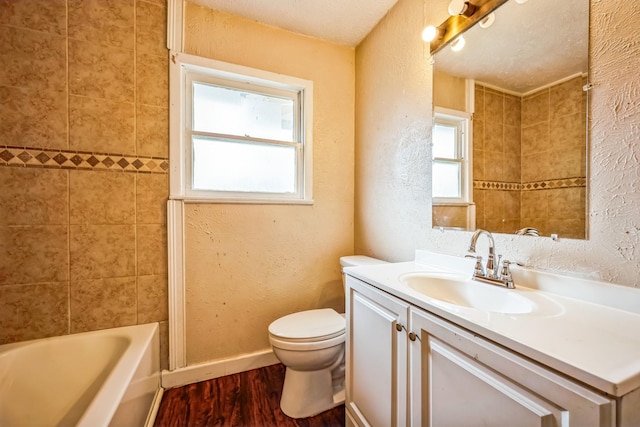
[[310, 344]]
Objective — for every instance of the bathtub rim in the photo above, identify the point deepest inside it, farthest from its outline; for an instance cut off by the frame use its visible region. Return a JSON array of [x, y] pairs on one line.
[[105, 403]]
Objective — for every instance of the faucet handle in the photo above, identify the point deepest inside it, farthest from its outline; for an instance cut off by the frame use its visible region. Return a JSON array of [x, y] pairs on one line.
[[478, 269], [506, 274]]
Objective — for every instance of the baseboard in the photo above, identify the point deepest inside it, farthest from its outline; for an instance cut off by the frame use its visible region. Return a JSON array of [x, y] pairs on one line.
[[217, 368]]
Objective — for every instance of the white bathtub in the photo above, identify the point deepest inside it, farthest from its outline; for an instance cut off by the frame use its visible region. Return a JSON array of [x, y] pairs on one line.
[[92, 379]]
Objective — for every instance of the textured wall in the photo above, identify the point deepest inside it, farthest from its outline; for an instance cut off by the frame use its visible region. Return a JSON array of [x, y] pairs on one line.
[[247, 265], [83, 172], [393, 211]]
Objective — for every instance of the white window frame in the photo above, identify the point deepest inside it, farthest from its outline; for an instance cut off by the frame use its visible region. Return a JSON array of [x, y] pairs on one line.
[[182, 68], [465, 148]]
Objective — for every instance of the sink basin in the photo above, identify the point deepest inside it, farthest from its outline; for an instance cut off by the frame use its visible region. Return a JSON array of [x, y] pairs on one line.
[[458, 290]]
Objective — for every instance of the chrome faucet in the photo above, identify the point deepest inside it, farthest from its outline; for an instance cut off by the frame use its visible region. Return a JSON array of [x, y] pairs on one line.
[[491, 274]]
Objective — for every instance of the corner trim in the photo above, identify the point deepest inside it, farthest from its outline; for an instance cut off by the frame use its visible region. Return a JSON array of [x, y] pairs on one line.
[[175, 243]]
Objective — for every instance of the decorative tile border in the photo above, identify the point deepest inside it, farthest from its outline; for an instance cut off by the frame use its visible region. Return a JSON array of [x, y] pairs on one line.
[[555, 183], [496, 185], [530, 186], [60, 159]]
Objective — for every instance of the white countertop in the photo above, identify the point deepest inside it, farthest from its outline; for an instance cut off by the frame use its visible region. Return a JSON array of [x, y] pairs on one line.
[[593, 343]]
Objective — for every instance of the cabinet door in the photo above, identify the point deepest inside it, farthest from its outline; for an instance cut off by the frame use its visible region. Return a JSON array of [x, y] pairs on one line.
[[376, 349], [460, 379]]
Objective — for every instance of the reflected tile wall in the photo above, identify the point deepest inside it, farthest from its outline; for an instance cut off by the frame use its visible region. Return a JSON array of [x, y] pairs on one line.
[[534, 147], [83, 166]]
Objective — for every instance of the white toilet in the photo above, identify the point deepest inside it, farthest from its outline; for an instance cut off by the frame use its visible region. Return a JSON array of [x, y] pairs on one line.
[[310, 344]]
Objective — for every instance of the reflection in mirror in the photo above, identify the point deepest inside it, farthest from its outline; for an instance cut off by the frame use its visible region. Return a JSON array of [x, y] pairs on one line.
[[524, 79]]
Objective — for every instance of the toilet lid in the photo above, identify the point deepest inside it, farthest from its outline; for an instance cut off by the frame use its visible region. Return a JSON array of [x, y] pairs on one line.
[[311, 324]]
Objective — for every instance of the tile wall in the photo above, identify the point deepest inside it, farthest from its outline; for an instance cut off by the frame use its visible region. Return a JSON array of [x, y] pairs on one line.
[[530, 159], [83, 166]]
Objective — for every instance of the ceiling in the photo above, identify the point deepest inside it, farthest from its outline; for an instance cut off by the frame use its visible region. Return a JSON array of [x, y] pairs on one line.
[[529, 45], [345, 22]]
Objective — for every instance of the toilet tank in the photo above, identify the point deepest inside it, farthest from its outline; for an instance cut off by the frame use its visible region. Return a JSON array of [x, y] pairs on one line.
[[356, 261]]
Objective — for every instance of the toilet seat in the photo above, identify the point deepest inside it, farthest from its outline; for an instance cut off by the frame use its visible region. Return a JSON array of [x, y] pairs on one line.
[[308, 330]]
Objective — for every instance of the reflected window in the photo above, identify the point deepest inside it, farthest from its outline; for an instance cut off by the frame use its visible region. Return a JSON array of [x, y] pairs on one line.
[[451, 172]]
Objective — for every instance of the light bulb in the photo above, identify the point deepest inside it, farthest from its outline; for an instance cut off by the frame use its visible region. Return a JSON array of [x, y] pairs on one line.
[[488, 20], [429, 33], [457, 44], [457, 7]]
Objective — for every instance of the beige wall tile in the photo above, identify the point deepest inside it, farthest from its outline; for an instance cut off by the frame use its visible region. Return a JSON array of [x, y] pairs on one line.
[[33, 311], [566, 163], [535, 138], [152, 192], [567, 228], [33, 254], [566, 203], [151, 249], [478, 199], [151, 28], [32, 59], [511, 168], [33, 196], [478, 164], [478, 134], [100, 125], [152, 298], [450, 216], [512, 140], [33, 118], [101, 198], [535, 108], [152, 131], [512, 110], [566, 98], [569, 131], [102, 303], [164, 345], [494, 204], [478, 113], [49, 16], [494, 166], [493, 107], [494, 137], [512, 204], [101, 72], [535, 204], [152, 80], [102, 251], [106, 22]]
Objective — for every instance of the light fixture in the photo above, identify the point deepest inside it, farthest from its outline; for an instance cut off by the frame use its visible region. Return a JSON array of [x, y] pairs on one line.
[[461, 7], [430, 33], [457, 44], [521, 1], [488, 20]]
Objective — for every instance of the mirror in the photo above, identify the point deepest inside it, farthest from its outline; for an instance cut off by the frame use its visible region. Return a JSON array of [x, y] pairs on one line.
[[522, 85]]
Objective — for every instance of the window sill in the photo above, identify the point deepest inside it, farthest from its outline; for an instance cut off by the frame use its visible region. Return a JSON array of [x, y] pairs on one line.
[[237, 201], [444, 203]]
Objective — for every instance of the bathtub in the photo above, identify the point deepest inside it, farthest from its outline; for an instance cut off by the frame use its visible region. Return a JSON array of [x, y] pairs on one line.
[[102, 378]]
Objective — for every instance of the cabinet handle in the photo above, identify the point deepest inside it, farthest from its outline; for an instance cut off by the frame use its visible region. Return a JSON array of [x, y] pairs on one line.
[[412, 336], [398, 327]]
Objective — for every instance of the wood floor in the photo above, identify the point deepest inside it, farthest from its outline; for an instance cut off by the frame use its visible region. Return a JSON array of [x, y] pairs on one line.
[[248, 399]]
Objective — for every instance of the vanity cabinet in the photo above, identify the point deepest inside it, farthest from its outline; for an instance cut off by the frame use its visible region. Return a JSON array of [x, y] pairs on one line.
[[408, 367], [376, 351]]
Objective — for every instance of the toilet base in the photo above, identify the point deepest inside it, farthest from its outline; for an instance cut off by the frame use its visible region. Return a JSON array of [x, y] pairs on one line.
[[308, 393]]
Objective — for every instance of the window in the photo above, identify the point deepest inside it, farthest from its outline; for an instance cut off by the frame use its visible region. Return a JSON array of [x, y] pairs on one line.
[[451, 147], [239, 134]]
